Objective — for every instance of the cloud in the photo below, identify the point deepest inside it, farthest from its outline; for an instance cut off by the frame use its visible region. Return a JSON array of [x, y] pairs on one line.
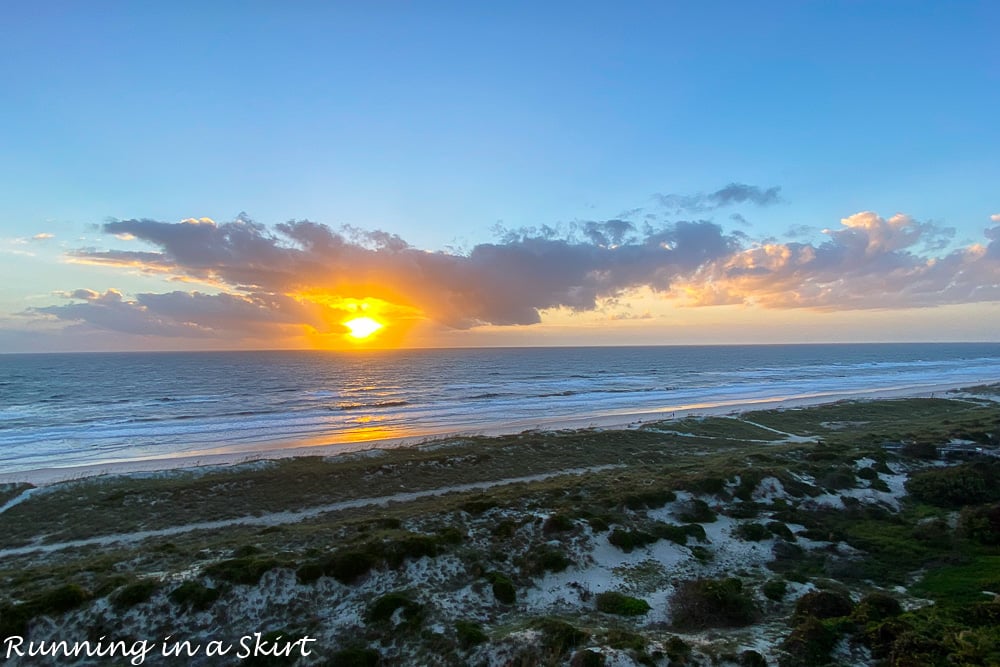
[[504, 283], [43, 236], [303, 275], [868, 262], [730, 195], [995, 217]]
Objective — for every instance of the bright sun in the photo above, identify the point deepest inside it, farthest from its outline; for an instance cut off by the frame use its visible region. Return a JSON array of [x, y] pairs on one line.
[[362, 327]]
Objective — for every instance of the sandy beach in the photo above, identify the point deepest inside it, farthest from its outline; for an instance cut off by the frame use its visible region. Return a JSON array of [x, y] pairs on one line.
[[609, 421]]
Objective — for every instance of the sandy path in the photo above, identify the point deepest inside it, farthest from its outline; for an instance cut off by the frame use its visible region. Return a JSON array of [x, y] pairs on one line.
[[278, 518]]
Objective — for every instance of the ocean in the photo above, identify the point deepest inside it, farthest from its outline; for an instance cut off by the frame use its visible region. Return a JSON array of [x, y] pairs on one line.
[[65, 410]]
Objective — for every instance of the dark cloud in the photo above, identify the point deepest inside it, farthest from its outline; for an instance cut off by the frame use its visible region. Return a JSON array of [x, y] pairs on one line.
[[495, 283], [730, 195]]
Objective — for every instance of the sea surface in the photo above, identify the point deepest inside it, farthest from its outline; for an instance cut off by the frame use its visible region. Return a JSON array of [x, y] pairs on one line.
[[64, 410]]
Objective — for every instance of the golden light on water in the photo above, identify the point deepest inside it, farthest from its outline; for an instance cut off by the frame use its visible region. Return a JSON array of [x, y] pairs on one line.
[[362, 327]]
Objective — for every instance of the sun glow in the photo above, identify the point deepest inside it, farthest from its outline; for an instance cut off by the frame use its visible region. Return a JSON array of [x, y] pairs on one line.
[[362, 327]]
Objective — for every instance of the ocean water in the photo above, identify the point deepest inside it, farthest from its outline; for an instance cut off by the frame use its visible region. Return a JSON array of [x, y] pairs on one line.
[[64, 410]]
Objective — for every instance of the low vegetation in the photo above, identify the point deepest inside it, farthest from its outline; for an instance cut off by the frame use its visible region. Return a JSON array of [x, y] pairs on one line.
[[710, 526]]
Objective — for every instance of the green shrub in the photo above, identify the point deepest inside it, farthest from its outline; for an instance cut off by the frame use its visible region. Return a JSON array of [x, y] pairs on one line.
[[712, 603], [880, 485], [59, 600], [653, 499], [809, 644], [612, 602], [194, 595], [503, 588], [542, 559], [559, 637], [702, 554], [751, 658], [981, 524], [629, 540], [677, 650], [624, 639], [958, 486], [469, 634], [840, 478], [134, 593], [707, 485], [876, 607], [557, 523], [309, 572], [696, 511], [752, 532], [672, 533], [348, 567], [598, 524], [587, 658], [781, 530], [355, 657], [247, 570], [775, 589], [478, 506], [822, 604], [867, 473], [383, 608], [697, 531]]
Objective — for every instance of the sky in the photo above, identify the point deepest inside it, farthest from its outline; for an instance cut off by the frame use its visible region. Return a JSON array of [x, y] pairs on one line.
[[246, 175]]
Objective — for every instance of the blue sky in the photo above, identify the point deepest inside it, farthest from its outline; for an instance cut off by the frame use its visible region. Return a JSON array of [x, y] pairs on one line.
[[436, 121]]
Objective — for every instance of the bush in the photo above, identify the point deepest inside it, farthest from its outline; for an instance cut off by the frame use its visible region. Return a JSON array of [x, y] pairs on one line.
[[752, 532], [587, 658], [194, 595], [624, 639], [876, 607], [355, 657], [775, 589], [958, 486], [247, 570], [751, 658], [712, 603], [781, 530], [348, 567], [981, 524], [559, 637], [672, 533], [135, 593], [841, 478], [59, 600], [612, 602], [708, 485], [557, 523], [880, 485], [628, 540], [822, 604], [649, 499], [809, 644], [503, 587], [696, 511], [469, 634], [867, 473], [544, 558], [383, 609]]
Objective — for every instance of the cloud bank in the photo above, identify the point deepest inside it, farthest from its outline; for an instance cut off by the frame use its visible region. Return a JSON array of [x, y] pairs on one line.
[[305, 274]]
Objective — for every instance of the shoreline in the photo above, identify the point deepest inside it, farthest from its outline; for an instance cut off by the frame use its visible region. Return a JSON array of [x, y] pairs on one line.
[[613, 421]]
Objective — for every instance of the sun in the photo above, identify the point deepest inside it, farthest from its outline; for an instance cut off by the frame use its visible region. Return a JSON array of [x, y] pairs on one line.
[[362, 327]]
